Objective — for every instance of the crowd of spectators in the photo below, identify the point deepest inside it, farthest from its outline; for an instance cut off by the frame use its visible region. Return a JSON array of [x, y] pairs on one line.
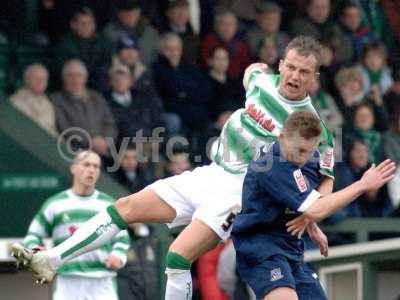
[[116, 67]]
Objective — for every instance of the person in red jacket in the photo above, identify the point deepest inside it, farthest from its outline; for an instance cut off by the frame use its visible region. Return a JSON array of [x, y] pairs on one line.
[[226, 35]]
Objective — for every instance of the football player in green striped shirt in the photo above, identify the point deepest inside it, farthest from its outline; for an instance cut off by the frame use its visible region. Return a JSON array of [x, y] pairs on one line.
[[91, 275], [208, 198]]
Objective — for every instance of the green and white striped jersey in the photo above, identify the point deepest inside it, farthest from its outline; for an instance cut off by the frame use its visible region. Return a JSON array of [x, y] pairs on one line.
[[58, 219], [260, 123]]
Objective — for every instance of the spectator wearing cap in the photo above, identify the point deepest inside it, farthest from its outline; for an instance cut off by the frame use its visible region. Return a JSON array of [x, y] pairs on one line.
[[130, 21], [178, 21], [183, 87], [133, 109], [351, 26], [31, 99], [226, 35], [78, 106], [269, 15], [83, 43]]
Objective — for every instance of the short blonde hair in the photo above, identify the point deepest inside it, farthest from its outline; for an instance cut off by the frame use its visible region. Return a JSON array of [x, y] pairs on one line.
[[348, 74]]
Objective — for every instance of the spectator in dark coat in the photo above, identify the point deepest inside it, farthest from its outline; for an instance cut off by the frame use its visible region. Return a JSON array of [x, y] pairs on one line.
[[226, 35], [130, 21], [133, 109], [130, 173], [178, 21], [78, 106], [84, 44], [183, 88]]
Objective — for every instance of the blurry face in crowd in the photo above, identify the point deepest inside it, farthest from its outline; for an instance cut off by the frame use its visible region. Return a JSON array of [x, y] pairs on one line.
[[297, 149], [121, 82], [226, 27], [179, 164], [314, 87], [269, 22], [326, 56], [172, 51], [364, 118], [179, 15], [268, 53], [86, 169], [359, 156], [129, 56], [75, 79], [374, 60], [297, 73], [84, 26], [219, 61], [36, 80], [319, 10], [351, 18], [129, 161], [351, 91], [129, 18]]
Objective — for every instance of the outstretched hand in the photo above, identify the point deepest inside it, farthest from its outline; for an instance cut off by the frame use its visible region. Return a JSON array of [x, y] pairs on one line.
[[298, 226], [376, 176], [319, 238]]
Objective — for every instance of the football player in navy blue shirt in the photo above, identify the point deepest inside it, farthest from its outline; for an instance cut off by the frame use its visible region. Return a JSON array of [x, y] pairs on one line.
[[280, 190]]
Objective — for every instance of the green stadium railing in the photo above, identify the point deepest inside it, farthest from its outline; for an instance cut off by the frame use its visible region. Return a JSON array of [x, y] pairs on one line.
[[31, 170]]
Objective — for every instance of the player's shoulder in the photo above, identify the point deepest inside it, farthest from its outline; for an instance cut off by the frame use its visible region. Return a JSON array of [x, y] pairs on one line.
[[61, 196], [105, 197]]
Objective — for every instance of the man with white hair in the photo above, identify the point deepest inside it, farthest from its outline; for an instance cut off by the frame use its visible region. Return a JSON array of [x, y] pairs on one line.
[[78, 106], [32, 100]]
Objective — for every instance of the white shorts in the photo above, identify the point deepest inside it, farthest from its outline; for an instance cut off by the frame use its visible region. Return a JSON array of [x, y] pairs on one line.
[[85, 288], [208, 193]]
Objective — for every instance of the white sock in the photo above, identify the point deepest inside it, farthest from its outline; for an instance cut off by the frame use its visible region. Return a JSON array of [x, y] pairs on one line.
[[91, 235], [179, 285]]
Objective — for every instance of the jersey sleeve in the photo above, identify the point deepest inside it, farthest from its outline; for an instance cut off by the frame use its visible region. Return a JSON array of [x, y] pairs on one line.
[[249, 78], [289, 188], [327, 155]]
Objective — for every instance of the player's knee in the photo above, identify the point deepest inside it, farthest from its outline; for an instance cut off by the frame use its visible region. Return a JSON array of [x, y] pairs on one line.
[[176, 261], [282, 293]]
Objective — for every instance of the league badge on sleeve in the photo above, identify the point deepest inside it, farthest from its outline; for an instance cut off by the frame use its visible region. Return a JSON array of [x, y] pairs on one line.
[[300, 180]]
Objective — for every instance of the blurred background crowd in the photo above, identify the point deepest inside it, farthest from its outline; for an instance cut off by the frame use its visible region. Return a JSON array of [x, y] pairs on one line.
[[116, 67]]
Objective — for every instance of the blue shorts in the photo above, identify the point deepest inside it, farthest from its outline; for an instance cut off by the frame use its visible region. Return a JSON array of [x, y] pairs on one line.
[[279, 271]]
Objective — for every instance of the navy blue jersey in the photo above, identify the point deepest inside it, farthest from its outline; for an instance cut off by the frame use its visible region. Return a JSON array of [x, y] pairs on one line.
[[274, 192]]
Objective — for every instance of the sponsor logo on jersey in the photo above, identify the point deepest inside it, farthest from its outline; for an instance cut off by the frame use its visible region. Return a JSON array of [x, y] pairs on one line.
[[260, 117], [327, 161], [276, 274], [300, 180]]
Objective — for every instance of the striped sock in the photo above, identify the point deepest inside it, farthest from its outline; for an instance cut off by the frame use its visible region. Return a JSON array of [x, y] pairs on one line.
[[93, 234]]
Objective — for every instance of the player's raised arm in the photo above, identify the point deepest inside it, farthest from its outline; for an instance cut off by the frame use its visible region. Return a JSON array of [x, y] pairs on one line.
[[373, 178]]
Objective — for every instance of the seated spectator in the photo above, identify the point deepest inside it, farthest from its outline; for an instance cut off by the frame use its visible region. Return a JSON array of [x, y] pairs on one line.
[[268, 54], [133, 110], [325, 106], [391, 147], [130, 21], [178, 163], [269, 16], [316, 23], [84, 44], [363, 129], [183, 88], [226, 35], [130, 174], [349, 83], [129, 56], [351, 26], [178, 21], [226, 93], [78, 106], [32, 100], [376, 74]]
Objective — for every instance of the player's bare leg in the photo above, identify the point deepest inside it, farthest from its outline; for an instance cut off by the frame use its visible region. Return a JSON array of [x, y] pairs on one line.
[[282, 293], [195, 240], [144, 206]]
